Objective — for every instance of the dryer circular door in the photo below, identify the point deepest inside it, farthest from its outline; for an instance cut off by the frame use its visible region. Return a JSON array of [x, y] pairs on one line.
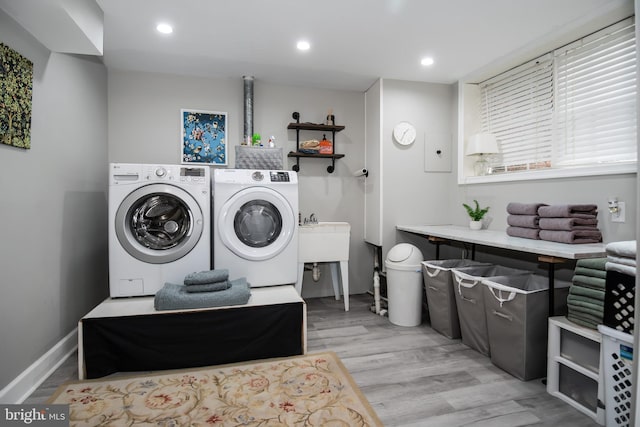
[[159, 223], [256, 223]]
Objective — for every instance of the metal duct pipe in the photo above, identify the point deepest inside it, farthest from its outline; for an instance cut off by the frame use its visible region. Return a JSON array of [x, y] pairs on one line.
[[248, 109]]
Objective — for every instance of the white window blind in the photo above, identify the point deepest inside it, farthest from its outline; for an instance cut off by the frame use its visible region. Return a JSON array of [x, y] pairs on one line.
[[572, 107], [596, 98], [517, 107]]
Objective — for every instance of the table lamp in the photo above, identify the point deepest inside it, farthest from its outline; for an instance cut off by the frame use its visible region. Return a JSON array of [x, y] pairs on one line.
[[481, 144]]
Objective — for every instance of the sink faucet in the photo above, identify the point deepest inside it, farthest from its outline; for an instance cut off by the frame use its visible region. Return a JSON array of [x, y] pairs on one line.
[[313, 219]]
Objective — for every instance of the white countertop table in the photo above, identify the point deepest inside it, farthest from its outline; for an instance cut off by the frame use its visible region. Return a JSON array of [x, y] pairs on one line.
[[550, 253]]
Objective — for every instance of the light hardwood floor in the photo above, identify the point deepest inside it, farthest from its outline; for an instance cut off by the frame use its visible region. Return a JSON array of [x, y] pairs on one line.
[[412, 376]]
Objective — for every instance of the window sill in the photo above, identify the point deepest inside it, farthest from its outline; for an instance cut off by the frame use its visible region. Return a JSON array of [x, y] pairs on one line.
[[626, 168]]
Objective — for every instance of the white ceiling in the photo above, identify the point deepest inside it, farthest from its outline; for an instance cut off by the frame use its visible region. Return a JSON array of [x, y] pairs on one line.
[[353, 42]]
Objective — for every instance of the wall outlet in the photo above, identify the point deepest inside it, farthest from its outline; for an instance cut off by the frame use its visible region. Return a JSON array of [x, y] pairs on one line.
[[620, 215]]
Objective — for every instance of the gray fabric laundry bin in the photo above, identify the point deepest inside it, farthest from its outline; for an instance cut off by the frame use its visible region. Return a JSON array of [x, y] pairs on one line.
[[517, 308], [470, 302], [441, 299]]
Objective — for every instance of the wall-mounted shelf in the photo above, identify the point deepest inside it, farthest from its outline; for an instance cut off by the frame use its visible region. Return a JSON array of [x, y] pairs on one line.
[[297, 126]]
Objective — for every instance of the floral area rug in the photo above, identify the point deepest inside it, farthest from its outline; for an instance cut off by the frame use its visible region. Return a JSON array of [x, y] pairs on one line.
[[310, 390]]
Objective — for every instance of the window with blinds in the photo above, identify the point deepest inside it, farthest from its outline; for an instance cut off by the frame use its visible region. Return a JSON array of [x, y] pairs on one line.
[[573, 107]]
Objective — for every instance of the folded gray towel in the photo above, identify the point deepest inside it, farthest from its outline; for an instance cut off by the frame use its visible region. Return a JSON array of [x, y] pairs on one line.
[[572, 308], [583, 291], [572, 237], [622, 260], [527, 233], [586, 312], [590, 272], [586, 302], [621, 268], [625, 248], [208, 287], [208, 276], [568, 211], [175, 297], [586, 324], [526, 221], [568, 224], [514, 208], [590, 281], [596, 263]]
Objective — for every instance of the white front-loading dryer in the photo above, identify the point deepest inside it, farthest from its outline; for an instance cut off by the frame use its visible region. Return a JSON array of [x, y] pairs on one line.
[[159, 226], [255, 225]]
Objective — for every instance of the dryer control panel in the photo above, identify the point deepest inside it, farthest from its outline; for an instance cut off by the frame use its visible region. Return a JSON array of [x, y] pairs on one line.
[[279, 176]]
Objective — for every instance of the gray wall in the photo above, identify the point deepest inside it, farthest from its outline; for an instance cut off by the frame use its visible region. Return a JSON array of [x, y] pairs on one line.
[[144, 126], [412, 195], [53, 215]]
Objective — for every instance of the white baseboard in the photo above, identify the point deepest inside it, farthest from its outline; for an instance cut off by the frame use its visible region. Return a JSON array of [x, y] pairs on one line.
[[31, 378]]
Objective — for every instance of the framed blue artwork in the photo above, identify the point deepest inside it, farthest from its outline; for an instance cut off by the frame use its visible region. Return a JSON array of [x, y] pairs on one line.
[[204, 137]]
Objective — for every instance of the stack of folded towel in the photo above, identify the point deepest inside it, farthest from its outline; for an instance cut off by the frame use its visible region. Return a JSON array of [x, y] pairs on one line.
[[585, 302], [621, 257], [203, 289], [621, 278], [574, 223], [523, 220]]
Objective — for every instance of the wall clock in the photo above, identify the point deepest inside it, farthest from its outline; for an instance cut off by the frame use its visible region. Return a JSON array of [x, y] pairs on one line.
[[404, 133]]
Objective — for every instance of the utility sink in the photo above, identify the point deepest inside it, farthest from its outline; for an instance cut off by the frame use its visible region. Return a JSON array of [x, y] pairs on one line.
[[324, 242]]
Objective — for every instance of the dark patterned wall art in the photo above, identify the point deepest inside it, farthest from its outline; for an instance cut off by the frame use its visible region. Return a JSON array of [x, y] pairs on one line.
[[16, 87]]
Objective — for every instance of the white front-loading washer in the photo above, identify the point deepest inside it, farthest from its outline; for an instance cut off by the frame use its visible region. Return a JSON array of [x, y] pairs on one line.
[[255, 225], [159, 226]]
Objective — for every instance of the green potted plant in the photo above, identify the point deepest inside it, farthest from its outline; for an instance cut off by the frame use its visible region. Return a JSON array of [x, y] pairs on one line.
[[476, 214]]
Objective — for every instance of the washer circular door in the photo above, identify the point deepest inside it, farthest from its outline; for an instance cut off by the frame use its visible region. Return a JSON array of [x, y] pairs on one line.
[[256, 223], [159, 223]]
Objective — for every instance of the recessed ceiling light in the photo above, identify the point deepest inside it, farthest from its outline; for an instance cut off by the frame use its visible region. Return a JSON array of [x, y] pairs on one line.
[[427, 61], [303, 45], [164, 28]]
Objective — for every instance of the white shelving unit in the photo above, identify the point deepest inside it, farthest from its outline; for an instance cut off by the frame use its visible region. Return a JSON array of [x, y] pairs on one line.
[[574, 367]]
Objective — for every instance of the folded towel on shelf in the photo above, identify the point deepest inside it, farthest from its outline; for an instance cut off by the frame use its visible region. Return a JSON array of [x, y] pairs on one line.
[[514, 208], [571, 237], [568, 224], [527, 233], [527, 221], [208, 287], [597, 314], [625, 248], [569, 211], [591, 272], [585, 302], [585, 315], [175, 297], [208, 276], [589, 281], [595, 263], [621, 268], [578, 290], [621, 260], [586, 324]]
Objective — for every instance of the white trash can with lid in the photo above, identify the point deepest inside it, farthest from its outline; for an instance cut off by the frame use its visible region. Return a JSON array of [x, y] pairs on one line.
[[404, 284]]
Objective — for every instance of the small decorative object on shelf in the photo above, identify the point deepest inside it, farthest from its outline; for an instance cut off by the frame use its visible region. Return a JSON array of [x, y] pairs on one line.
[[308, 149], [326, 146], [476, 214], [331, 119]]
